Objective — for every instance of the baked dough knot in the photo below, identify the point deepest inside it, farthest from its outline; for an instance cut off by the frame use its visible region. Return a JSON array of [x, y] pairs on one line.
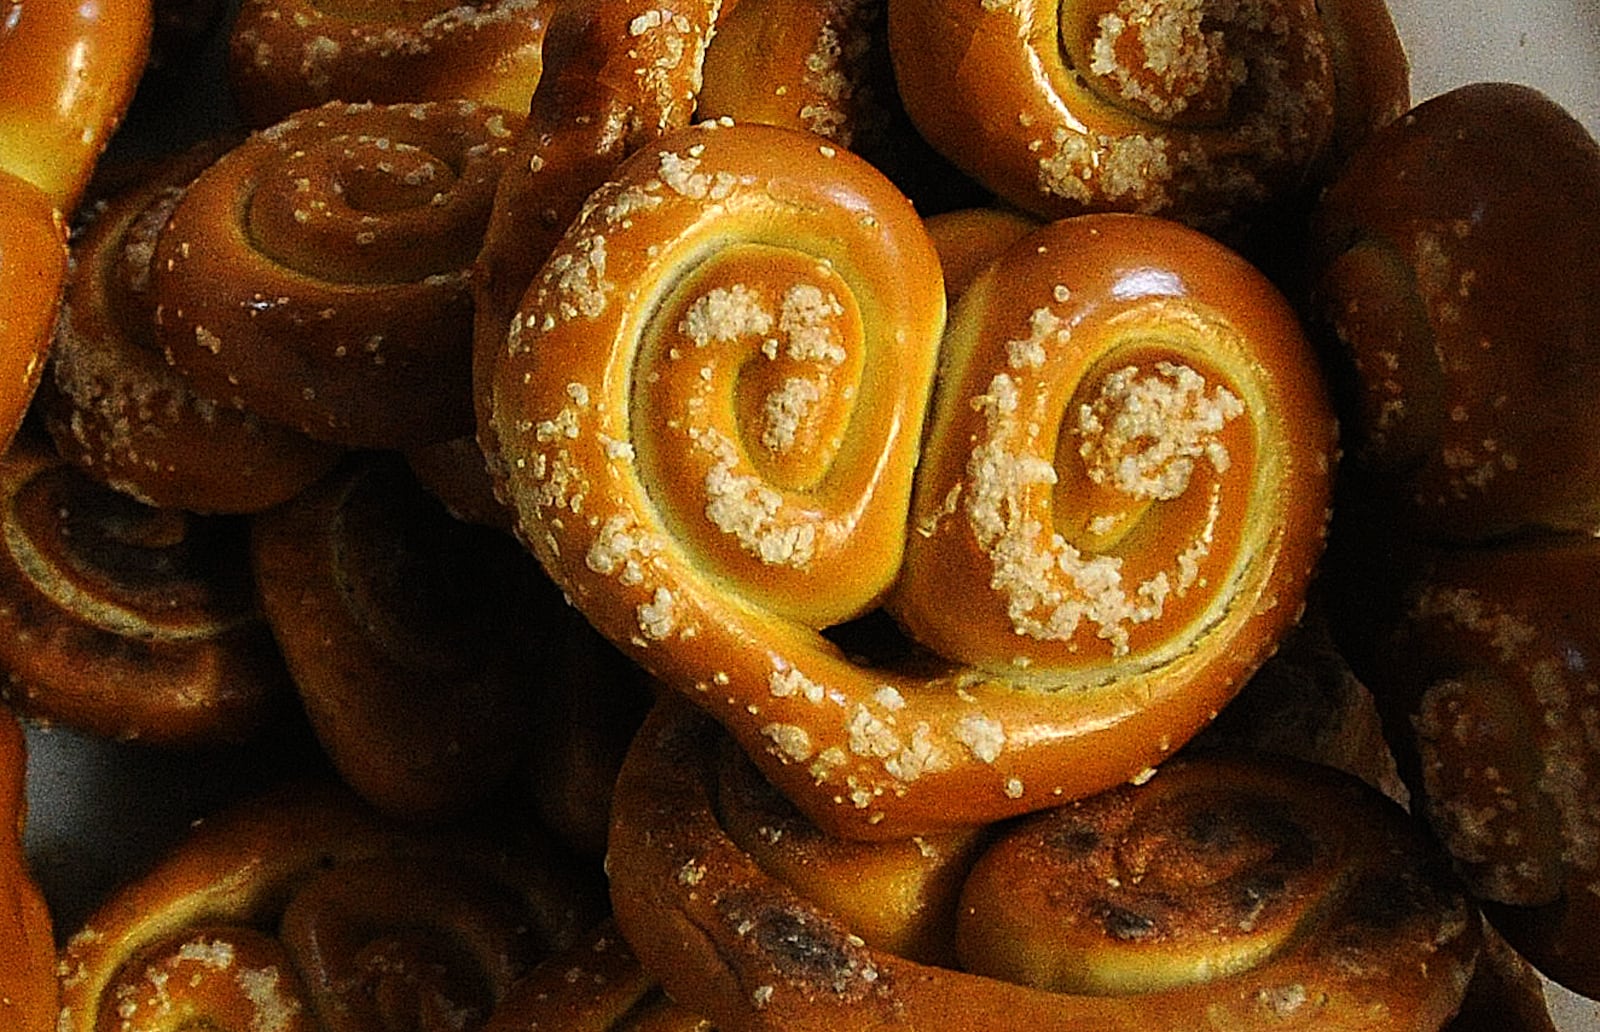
[[731, 435]]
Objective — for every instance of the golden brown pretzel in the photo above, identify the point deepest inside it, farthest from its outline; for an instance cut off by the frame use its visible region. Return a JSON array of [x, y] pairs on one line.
[[115, 407], [415, 640], [801, 64], [124, 620], [27, 943], [1456, 267], [1158, 106], [288, 55], [71, 69], [1254, 893], [1485, 677], [615, 78], [33, 270], [302, 907], [674, 415], [317, 273]]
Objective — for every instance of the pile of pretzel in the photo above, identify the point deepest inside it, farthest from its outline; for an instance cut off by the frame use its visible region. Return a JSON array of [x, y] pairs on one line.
[[802, 515]]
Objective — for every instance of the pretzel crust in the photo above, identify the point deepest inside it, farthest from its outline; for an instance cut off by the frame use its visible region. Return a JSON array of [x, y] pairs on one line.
[[1391, 945]]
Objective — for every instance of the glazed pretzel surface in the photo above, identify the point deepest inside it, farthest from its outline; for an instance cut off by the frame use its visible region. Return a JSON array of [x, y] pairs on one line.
[[125, 620], [301, 909], [1143, 105], [710, 410], [288, 55], [1230, 891], [114, 406], [316, 274]]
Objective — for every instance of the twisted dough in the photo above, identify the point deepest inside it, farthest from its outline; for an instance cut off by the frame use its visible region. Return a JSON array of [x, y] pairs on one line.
[[70, 73], [1159, 106], [711, 408], [288, 55], [1455, 267], [415, 640], [1484, 678], [71, 69], [300, 909], [124, 620], [117, 410], [316, 274], [1251, 893], [27, 978]]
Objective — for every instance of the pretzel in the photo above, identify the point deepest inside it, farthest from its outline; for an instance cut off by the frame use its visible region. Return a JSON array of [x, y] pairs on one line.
[[27, 978], [1455, 270], [1482, 675], [113, 405], [127, 621], [71, 69], [301, 909], [316, 274], [33, 269], [1156, 106], [1228, 891], [615, 78], [801, 64], [412, 638], [288, 55], [655, 479]]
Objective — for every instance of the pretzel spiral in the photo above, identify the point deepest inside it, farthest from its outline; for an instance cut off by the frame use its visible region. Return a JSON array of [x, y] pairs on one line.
[[1159, 106], [125, 620], [616, 78], [117, 410], [1483, 674], [1453, 267], [302, 910], [413, 639], [288, 55], [727, 475], [1228, 892], [317, 273], [27, 978]]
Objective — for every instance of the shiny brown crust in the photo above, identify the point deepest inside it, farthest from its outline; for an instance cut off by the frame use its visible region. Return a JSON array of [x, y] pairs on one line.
[[27, 977], [707, 227], [124, 620], [1487, 682], [801, 64], [414, 639], [317, 273], [1062, 109], [1371, 72], [71, 69], [1386, 939], [897, 895], [728, 613], [33, 272], [968, 239], [115, 407], [288, 55], [1456, 267], [615, 79], [303, 907]]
